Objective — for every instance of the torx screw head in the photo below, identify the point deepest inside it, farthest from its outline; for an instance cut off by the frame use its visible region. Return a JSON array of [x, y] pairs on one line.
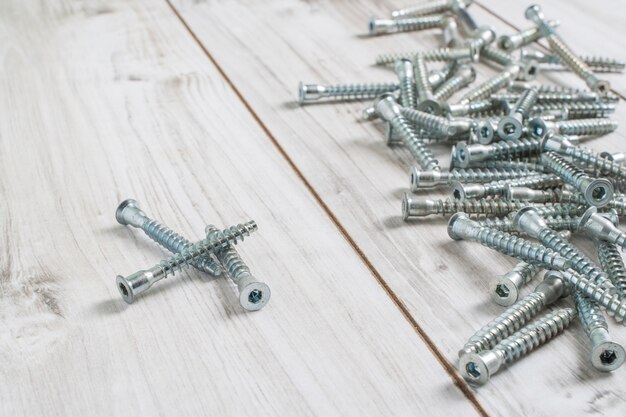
[[483, 131], [599, 192], [254, 296], [537, 127], [608, 356], [476, 368], [504, 291], [510, 128]]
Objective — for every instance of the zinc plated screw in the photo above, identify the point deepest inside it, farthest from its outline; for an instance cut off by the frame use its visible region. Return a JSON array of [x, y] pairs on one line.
[[485, 131], [139, 282], [530, 221], [530, 195], [504, 289], [597, 191], [616, 158], [560, 48], [460, 226], [556, 97], [528, 68], [128, 213], [517, 40], [596, 63], [440, 54], [492, 85], [600, 228], [253, 294], [511, 127], [606, 355], [404, 70], [462, 191], [421, 179], [572, 111], [346, 92], [551, 289], [429, 7], [387, 26], [613, 264], [435, 125], [477, 368], [609, 300], [487, 107], [413, 207], [464, 76], [578, 127], [562, 223], [425, 98], [467, 155], [390, 111], [450, 31]]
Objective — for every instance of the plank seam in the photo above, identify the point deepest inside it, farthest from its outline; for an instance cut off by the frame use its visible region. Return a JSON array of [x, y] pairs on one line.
[[507, 22], [448, 367]]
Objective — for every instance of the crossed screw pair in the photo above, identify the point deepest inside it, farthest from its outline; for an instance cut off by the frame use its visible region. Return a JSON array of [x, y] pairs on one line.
[[253, 294]]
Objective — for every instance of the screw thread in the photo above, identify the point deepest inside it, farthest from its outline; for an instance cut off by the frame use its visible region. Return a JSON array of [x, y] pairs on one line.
[[497, 55], [482, 108], [603, 166], [236, 267], [505, 224], [439, 54], [507, 323], [407, 93], [497, 188], [490, 86], [590, 315], [359, 91], [429, 122], [525, 102], [514, 148], [599, 63], [577, 110], [424, 90], [431, 7], [613, 264], [526, 164], [611, 301], [452, 85], [175, 243], [535, 334], [417, 23], [420, 151], [578, 66], [568, 172], [482, 206], [584, 127]]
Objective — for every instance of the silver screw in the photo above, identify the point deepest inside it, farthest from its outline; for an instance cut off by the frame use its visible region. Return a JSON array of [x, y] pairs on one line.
[[139, 282], [579, 127], [436, 125], [525, 37], [563, 223], [467, 155], [529, 195], [429, 7], [492, 85], [511, 127], [387, 26], [613, 264], [253, 294], [432, 179], [440, 54], [404, 70], [575, 110], [460, 226], [556, 97], [599, 227], [530, 221], [414, 207], [425, 98], [597, 64], [606, 355], [528, 68], [477, 368], [560, 48], [476, 108], [462, 191], [597, 191], [464, 76], [390, 111], [314, 92], [128, 213], [504, 289], [515, 317]]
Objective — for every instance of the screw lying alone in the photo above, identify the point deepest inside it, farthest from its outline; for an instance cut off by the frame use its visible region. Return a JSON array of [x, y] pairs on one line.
[[139, 282]]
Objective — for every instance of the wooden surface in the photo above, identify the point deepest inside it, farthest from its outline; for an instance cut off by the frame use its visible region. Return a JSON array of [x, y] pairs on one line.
[[189, 107]]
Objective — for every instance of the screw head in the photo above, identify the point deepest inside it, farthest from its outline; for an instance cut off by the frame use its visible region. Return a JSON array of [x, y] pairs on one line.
[[510, 128], [474, 369], [599, 192], [119, 212], [455, 217], [607, 356], [125, 290], [503, 291], [254, 296]]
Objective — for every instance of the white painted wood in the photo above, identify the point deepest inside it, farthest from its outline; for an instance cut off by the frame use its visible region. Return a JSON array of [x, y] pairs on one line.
[[266, 49], [106, 100]]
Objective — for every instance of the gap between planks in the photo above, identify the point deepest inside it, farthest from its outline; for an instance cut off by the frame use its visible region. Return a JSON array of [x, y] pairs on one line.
[[512, 26], [449, 368]]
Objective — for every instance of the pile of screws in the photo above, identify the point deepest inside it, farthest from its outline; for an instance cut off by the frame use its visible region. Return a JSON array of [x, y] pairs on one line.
[[215, 255], [517, 168]]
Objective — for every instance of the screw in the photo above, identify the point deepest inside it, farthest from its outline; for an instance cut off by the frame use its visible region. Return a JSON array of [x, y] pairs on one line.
[[476, 108], [532, 196], [560, 48], [491, 85], [432, 179], [557, 222], [425, 98], [610, 301], [128, 213], [527, 68], [404, 71], [450, 30], [460, 226], [436, 125], [511, 126], [530, 221], [606, 355], [413, 207], [579, 127], [390, 111], [428, 8], [477, 368], [468, 154], [599, 227], [504, 289], [616, 158], [597, 191], [387, 26], [439, 54], [552, 288], [313, 92], [597, 64], [575, 110], [253, 294], [462, 191], [523, 38], [464, 77], [139, 282], [613, 264]]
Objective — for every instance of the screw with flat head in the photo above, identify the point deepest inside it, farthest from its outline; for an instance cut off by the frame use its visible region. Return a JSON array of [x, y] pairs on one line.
[[599, 227], [523, 38], [404, 70], [128, 213], [387, 26], [253, 294], [345, 92], [512, 126], [505, 289], [141, 281]]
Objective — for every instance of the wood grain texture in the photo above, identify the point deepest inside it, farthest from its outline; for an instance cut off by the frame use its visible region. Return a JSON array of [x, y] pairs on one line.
[[106, 100], [265, 50]]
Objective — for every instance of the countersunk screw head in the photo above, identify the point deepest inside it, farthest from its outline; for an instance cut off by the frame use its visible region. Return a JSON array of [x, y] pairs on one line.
[[506, 290], [600, 191], [608, 356], [254, 296], [475, 367], [460, 216], [119, 213]]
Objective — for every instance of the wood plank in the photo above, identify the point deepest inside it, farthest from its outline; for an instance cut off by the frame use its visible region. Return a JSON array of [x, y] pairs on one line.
[[589, 28], [102, 101], [265, 50]]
